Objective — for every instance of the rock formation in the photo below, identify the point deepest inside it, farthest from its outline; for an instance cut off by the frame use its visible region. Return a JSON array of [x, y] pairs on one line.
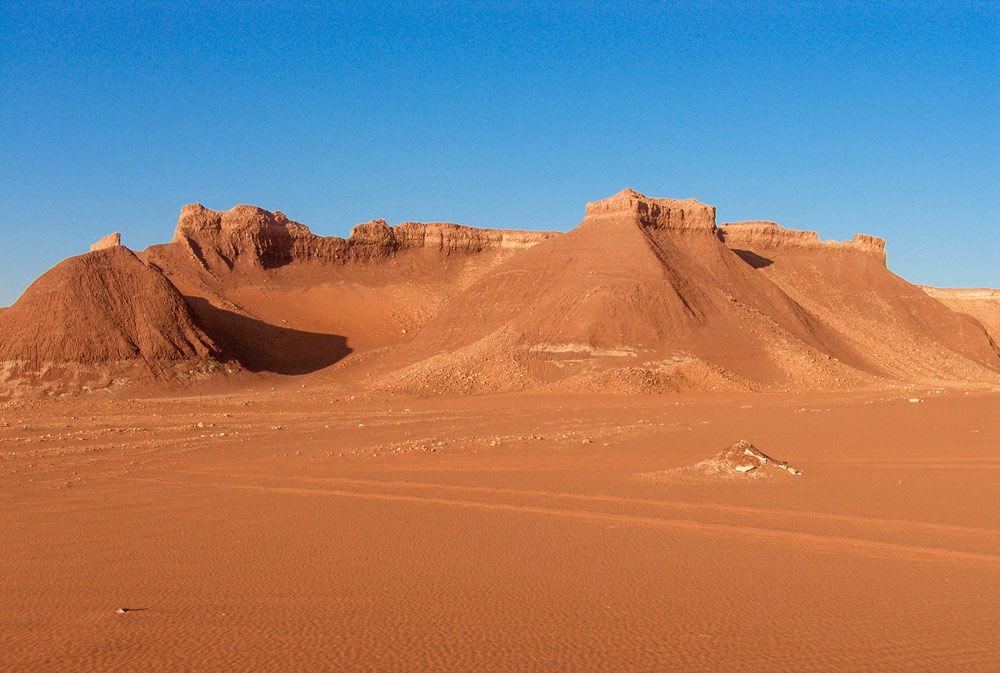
[[758, 234], [643, 288], [109, 241], [741, 460], [645, 295], [650, 213], [902, 333], [98, 318], [252, 236]]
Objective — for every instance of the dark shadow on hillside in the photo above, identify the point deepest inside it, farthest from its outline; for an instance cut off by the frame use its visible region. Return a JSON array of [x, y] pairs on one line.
[[753, 259], [263, 347]]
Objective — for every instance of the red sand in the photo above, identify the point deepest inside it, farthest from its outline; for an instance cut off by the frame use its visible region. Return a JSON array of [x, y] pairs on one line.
[[283, 461], [298, 530]]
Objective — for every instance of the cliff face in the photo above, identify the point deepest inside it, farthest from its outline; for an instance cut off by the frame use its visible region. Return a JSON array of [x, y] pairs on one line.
[[760, 235], [252, 236]]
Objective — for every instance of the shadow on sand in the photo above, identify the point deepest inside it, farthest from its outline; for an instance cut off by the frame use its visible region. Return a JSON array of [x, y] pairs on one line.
[[263, 347]]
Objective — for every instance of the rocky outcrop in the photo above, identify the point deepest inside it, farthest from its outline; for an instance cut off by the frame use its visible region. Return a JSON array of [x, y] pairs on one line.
[[741, 460], [756, 235], [450, 238], [666, 214], [248, 235], [109, 241]]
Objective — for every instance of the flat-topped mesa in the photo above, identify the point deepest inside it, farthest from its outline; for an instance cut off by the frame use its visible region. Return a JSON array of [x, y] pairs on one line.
[[450, 237], [668, 214], [759, 235], [252, 235]]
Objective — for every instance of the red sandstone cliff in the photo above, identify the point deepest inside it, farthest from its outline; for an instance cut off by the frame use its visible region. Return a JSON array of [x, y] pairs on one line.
[[644, 295], [760, 234], [252, 236]]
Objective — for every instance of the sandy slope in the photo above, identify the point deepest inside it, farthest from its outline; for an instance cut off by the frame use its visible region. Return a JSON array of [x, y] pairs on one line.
[[898, 331], [645, 295], [982, 304], [96, 319], [299, 529]]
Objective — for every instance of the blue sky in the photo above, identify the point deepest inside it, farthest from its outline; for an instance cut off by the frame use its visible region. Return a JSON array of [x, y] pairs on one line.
[[835, 117]]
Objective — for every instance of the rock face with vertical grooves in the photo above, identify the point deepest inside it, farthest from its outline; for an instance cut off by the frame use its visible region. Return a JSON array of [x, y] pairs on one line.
[[96, 318]]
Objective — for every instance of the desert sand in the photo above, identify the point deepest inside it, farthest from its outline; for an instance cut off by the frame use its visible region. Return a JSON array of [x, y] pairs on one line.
[[299, 530], [649, 444]]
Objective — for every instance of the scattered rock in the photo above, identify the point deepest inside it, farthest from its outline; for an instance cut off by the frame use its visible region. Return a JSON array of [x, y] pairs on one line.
[[742, 459]]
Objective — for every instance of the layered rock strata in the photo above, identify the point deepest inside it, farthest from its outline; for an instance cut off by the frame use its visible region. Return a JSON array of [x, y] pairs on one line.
[[252, 236]]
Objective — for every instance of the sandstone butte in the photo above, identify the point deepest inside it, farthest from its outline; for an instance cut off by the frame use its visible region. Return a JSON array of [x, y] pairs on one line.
[[644, 295]]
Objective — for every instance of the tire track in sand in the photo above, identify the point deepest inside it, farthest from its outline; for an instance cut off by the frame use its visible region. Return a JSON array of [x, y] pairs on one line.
[[898, 524], [795, 538]]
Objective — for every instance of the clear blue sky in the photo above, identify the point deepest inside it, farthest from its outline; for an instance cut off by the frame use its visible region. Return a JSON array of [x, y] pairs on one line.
[[835, 117]]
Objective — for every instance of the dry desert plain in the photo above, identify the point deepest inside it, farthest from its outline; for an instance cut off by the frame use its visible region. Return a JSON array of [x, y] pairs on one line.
[[297, 530], [428, 447]]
